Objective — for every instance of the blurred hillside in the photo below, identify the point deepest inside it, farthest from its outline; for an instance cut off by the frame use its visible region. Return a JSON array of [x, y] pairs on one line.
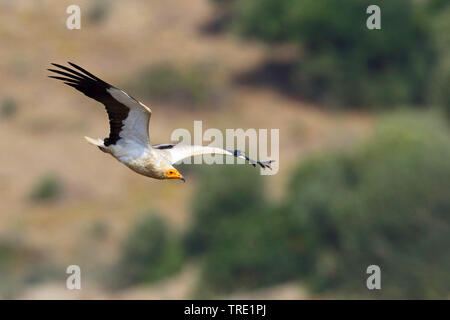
[[63, 202]]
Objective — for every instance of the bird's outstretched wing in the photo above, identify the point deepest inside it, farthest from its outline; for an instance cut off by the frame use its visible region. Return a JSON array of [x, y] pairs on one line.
[[181, 151], [128, 118]]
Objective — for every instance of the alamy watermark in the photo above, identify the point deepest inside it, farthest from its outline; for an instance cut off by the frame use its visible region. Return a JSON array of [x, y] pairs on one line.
[[73, 281], [374, 280], [254, 142], [73, 21], [374, 20]]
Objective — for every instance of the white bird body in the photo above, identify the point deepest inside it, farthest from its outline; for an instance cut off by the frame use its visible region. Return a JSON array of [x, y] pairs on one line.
[[140, 158], [128, 140]]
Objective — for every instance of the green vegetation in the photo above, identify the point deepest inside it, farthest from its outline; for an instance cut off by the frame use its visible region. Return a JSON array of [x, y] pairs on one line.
[[150, 253], [386, 203], [98, 11], [8, 107], [48, 187], [18, 264], [340, 61], [236, 231], [249, 251], [188, 87], [440, 84], [241, 191]]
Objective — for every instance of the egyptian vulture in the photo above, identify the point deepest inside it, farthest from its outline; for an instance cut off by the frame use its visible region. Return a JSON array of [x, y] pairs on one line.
[[128, 139]]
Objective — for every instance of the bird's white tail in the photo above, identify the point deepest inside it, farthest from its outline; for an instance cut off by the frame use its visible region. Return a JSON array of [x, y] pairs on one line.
[[97, 142]]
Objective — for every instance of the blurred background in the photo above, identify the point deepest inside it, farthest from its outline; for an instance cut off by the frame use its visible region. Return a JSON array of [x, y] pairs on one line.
[[364, 150]]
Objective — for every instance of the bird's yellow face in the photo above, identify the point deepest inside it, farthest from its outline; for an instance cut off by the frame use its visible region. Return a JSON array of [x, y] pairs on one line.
[[174, 174]]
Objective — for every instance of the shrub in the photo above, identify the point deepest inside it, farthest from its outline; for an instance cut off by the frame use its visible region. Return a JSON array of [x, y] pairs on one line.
[[8, 107], [440, 84], [386, 204], [436, 5], [149, 253], [48, 187], [225, 192], [15, 261], [98, 11], [237, 233], [248, 251], [342, 62]]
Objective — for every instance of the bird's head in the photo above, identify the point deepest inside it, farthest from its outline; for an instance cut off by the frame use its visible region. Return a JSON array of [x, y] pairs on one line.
[[173, 173]]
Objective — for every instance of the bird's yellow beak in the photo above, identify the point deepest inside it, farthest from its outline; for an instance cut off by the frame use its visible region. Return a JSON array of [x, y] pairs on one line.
[[174, 174]]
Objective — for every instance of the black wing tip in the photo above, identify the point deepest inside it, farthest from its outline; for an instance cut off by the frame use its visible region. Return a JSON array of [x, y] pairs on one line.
[[56, 65], [60, 65], [266, 164], [262, 164], [73, 64], [69, 82], [94, 77], [57, 78], [164, 146], [84, 73], [78, 75]]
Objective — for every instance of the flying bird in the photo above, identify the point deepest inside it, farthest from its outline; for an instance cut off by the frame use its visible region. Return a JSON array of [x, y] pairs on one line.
[[128, 139]]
